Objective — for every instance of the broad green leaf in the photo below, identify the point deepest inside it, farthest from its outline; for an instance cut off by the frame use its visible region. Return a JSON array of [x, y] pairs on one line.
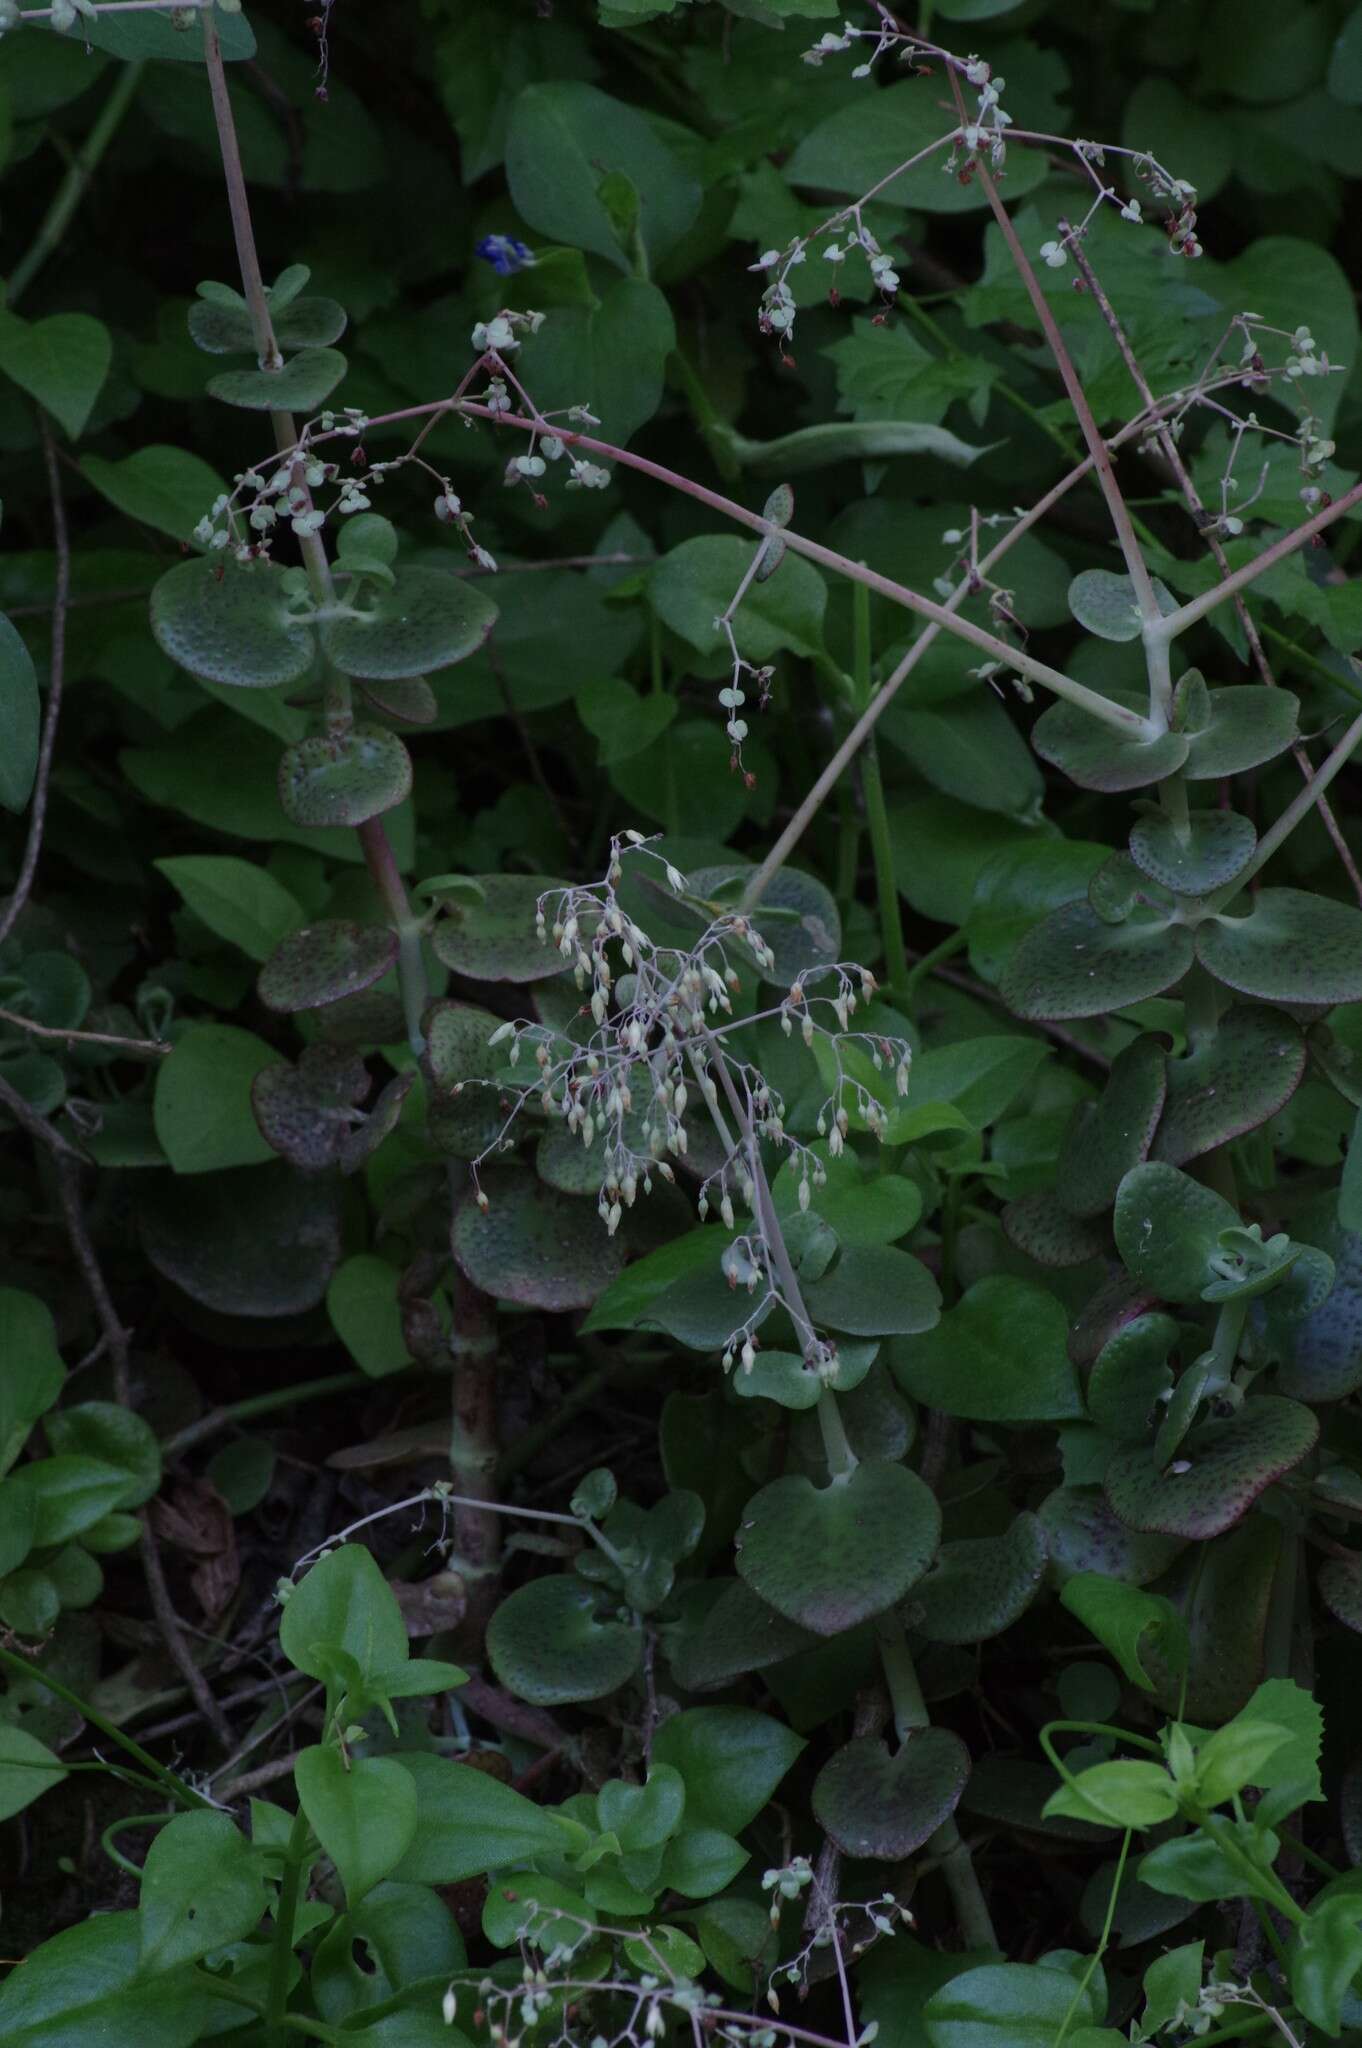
[[237, 900], [399, 1941], [1117, 1795], [20, 720], [1168, 1228], [1105, 604], [1006, 2005], [847, 441], [70, 1494], [1326, 1955], [1000, 1355], [138, 37], [33, 1373], [829, 1556], [980, 1585], [262, 1242], [202, 1104], [1122, 1616], [873, 1291], [693, 584], [28, 1768], [169, 489], [564, 139], [113, 1435], [203, 1886], [366, 1315], [62, 362], [470, 1823], [343, 1604], [363, 1810], [1110, 1136], [731, 1759], [610, 355], [864, 142], [89, 1979]]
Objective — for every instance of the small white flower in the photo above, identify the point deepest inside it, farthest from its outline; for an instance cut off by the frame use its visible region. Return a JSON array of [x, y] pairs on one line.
[[1054, 254]]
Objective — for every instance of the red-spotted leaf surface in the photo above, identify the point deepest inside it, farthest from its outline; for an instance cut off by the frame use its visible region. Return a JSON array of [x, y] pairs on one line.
[[998, 1355], [1291, 947], [1168, 1229], [364, 1138], [1109, 1136], [408, 700], [1214, 847], [304, 383], [720, 1639], [881, 1803], [1246, 726], [464, 1115], [1085, 1535], [222, 330], [373, 1017], [829, 1556], [1238, 1077], [557, 1641], [323, 963], [1131, 1377], [344, 778], [304, 1111], [1339, 1580], [1098, 757], [1220, 1471], [1319, 1355], [427, 621], [980, 1585], [1226, 1592], [1040, 1225], [533, 1245], [232, 623], [495, 939], [260, 1241], [1075, 964]]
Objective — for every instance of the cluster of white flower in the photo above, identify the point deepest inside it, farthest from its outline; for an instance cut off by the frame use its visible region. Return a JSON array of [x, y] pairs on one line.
[[284, 492]]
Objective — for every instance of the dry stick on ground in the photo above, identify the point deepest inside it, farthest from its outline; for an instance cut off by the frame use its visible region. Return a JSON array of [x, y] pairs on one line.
[[56, 682], [130, 1048], [168, 1621], [1168, 448]]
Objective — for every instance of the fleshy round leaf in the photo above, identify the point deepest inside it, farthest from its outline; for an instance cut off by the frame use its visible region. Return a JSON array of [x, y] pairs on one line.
[[1096, 756], [1130, 1377], [230, 622], [884, 1805], [1222, 1468], [1234, 1081], [343, 778], [534, 1245], [324, 962], [830, 1556], [1040, 1225], [1108, 1137], [1217, 846], [1339, 1580], [1104, 603], [1292, 947], [1167, 1228], [1074, 964], [875, 1290], [227, 330], [1320, 1354], [304, 383], [428, 621], [1085, 1535], [408, 699], [797, 916], [556, 1641], [464, 1115], [301, 1110], [998, 1355], [495, 939], [737, 1634], [257, 1242], [1249, 724], [981, 1585]]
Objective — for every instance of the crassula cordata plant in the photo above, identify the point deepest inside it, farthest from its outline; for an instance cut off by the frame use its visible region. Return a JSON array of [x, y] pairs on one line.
[[690, 874]]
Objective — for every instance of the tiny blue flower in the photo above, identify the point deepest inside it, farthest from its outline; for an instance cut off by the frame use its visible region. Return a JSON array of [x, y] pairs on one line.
[[505, 253]]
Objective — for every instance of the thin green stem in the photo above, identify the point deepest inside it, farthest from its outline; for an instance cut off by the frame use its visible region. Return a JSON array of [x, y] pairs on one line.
[[1241, 579], [877, 815], [842, 1460], [285, 1919], [71, 190], [10, 1660], [712, 431], [1103, 1941], [900, 1672], [930, 961]]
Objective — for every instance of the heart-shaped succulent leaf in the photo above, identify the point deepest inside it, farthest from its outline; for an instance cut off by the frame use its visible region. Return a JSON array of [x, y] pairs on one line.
[[1221, 1470], [875, 1290], [363, 1139], [1131, 1377], [1319, 1355], [343, 778], [1248, 725], [302, 384], [1339, 1580], [1040, 1225], [231, 622], [830, 1556], [738, 1633], [1236, 1079], [980, 1585], [999, 1355], [259, 1241], [464, 1114], [557, 1641], [497, 938], [1212, 849], [533, 1245], [1074, 964], [1291, 947], [1168, 1230], [1104, 602], [1098, 756], [324, 962], [884, 1804], [426, 622], [1110, 1136], [407, 699], [1085, 1534], [228, 330], [302, 1109]]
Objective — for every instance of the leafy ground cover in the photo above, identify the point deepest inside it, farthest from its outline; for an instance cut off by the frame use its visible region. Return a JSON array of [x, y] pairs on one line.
[[680, 992]]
